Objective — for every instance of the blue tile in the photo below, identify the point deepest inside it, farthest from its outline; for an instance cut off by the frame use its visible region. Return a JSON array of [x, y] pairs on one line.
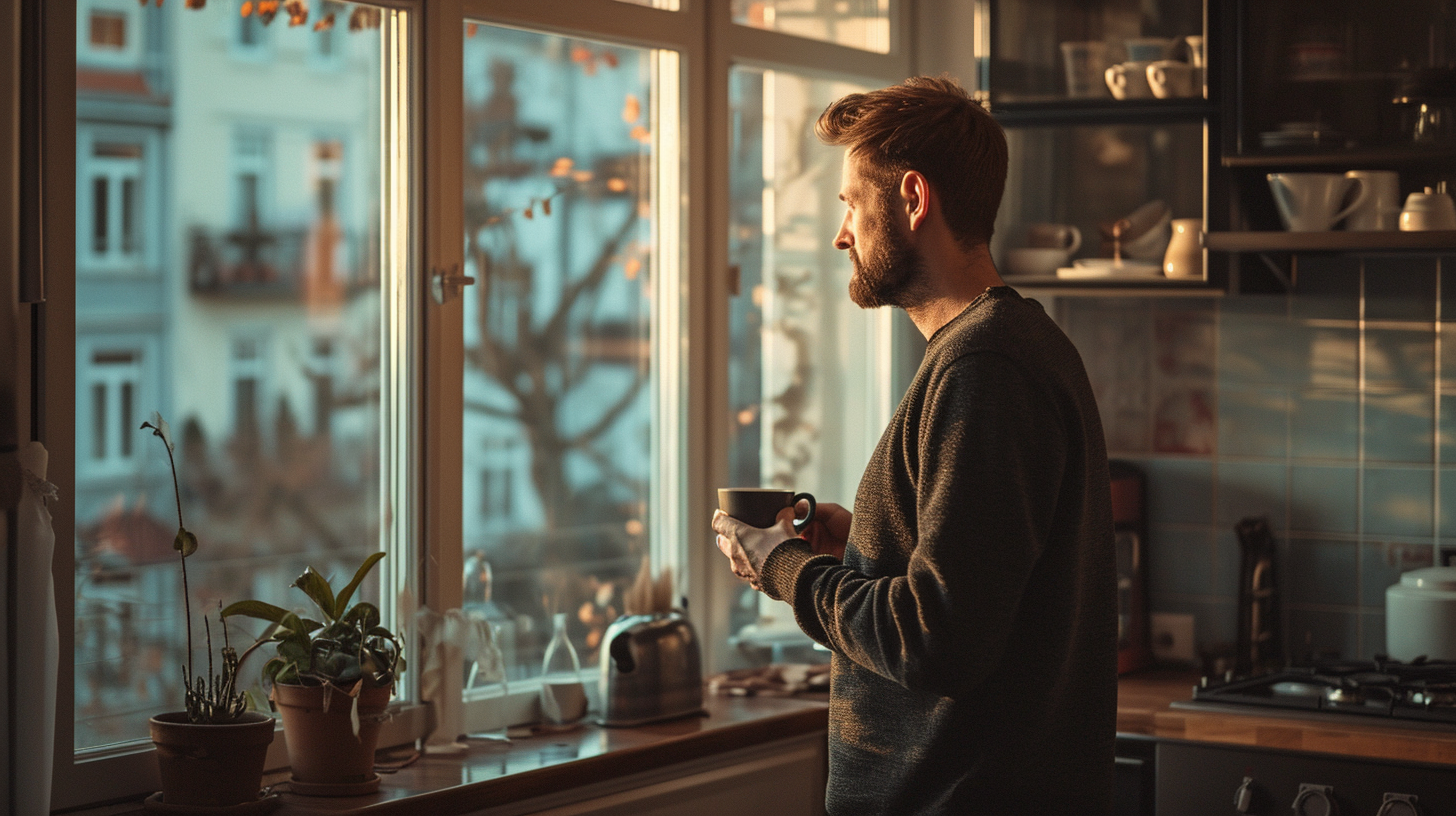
[[1324, 499], [1183, 420], [1320, 572], [1400, 288], [1180, 561], [1256, 350], [1329, 288], [1401, 358], [1325, 425], [1180, 491], [1381, 564], [1446, 511], [1331, 358], [1447, 427], [1227, 560], [1253, 422], [1250, 489], [1400, 427], [1322, 633], [1372, 635], [1398, 502], [1185, 338]]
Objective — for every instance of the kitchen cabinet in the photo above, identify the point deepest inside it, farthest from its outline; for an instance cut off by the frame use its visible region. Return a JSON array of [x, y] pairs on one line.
[[1323, 86], [1094, 136]]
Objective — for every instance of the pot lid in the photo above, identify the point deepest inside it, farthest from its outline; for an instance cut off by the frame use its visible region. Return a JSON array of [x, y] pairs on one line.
[[1430, 578]]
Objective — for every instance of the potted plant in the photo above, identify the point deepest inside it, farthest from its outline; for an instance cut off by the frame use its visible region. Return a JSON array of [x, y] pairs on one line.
[[211, 754], [331, 681]]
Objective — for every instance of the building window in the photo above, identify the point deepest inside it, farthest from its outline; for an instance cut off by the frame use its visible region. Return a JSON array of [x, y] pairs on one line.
[[113, 377], [112, 185], [108, 30]]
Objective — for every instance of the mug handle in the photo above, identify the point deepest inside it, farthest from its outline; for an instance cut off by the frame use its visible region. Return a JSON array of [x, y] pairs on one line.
[[1076, 240], [1116, 77], [800, 524], [1354, 205]]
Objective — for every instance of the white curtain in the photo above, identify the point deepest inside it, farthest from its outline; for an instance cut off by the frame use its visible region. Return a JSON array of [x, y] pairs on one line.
[[38, 635]]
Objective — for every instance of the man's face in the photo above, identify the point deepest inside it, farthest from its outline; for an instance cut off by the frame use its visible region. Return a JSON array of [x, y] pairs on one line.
[[888, 270]]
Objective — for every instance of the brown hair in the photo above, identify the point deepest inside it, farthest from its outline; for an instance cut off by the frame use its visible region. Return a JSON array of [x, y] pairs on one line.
[[933, 126]]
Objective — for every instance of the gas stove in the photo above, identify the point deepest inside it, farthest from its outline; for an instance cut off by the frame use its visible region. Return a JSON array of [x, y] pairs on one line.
[[1418, 691]]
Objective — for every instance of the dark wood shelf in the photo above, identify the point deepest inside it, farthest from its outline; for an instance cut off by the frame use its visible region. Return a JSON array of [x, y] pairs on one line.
[[1365, 159], [1335, 241], [1101, 112]]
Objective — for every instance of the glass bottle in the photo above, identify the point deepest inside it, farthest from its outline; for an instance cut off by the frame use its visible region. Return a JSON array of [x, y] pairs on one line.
[[563, 697]]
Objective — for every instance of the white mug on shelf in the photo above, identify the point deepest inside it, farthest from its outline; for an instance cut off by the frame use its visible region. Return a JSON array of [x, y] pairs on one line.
[[1170, 78], [1381, 210], [1129, 80], [1310, 202]]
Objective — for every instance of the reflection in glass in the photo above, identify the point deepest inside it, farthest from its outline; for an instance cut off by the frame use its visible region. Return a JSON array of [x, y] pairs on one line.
[[806, 378], [861, 24], [560, 223], [216, 324]]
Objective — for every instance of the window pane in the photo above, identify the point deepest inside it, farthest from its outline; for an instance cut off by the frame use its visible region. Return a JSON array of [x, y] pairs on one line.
[[557, 429], [856, 23], [807, 380], [287, 270]]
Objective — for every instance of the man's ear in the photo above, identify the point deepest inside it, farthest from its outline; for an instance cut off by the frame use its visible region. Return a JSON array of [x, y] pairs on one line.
[[915, 195]]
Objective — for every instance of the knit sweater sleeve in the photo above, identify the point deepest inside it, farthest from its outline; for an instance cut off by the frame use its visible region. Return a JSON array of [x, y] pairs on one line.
[[985, 472]]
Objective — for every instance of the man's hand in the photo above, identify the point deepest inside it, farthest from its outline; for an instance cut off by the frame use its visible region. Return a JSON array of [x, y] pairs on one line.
[[747, 546], [829, 530]]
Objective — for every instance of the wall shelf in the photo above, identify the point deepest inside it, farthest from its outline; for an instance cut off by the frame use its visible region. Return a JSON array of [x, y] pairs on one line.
[[1366, 159], [1101, 112], [1114, 286], [1334, 241]]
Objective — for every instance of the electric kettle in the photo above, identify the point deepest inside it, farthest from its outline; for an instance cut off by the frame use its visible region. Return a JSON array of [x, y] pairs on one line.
[[651, 670]]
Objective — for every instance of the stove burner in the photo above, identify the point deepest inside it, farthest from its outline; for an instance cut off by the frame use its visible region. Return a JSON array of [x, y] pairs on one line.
[[1418, 690]]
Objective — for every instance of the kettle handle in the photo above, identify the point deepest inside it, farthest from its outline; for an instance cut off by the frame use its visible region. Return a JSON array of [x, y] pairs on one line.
[[620, 650]]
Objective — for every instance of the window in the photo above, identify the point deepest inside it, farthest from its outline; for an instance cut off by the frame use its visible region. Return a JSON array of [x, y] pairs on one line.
[[108, 30], [581, 403], [278, 396], [117, 197], [110, 36]]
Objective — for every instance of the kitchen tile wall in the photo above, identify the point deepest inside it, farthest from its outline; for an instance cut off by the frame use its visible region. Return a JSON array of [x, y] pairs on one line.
[[1331, 411]]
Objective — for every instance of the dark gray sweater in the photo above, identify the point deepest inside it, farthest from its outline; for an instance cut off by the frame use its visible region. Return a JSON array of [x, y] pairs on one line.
[[973, 620]]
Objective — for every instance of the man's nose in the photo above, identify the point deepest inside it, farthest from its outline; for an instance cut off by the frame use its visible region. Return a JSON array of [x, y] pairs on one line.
[[845, 239]]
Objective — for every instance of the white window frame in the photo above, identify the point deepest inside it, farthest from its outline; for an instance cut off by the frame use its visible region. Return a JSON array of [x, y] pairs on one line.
[[425, 355], [260, 51], [145, 260], [141, 374]]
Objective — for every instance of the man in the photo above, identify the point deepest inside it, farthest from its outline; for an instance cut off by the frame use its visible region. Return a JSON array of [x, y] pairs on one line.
[[972, 618]]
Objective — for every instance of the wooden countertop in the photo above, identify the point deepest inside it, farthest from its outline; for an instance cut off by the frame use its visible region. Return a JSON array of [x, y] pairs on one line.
[[1143, 701]]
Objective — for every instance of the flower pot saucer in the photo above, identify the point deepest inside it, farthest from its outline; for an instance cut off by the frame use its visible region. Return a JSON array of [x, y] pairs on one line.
[[334, 788], [265, 803]]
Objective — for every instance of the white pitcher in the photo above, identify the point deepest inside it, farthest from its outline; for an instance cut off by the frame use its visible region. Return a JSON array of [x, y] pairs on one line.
[[1310, 202]]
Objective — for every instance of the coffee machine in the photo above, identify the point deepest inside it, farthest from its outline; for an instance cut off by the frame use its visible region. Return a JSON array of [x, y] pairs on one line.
[[1130, 530]]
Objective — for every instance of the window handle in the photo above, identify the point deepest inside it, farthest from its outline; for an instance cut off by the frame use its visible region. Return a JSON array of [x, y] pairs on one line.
[[446, 285]]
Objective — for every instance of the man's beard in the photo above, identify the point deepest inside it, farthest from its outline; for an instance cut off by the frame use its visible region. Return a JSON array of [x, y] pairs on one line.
[[894, 275]]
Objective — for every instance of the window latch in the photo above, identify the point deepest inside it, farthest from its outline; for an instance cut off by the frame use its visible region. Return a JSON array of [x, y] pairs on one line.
[[446, 285]]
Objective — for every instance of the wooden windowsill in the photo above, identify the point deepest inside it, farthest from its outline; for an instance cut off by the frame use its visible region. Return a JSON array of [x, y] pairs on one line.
[[493, 772]]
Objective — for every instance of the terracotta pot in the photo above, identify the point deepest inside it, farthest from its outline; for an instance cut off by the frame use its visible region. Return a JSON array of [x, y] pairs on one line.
[[207, 765], [327, 757]]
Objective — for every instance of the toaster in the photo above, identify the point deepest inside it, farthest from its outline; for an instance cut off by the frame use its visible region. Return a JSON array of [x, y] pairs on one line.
[[651, 670]]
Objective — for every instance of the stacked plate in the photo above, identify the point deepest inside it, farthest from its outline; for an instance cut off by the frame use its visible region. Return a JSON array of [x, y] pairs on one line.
[[1301, 135], [1108, 268]]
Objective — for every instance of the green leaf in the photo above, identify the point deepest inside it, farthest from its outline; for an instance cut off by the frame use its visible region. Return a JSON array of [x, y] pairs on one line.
[[317, 588], [256, 609], [185, 542], [363, 615], [342, 603]]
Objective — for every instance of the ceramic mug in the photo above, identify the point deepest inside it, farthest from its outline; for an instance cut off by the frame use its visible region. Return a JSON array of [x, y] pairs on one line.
[[1195, 50], [1428, 210], [1310, 202], [1129, 80], [1148, 49], [1054, 236], [760, 506], [1381, 210], [1170, 78], [1184, 258], [1085, 64]]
